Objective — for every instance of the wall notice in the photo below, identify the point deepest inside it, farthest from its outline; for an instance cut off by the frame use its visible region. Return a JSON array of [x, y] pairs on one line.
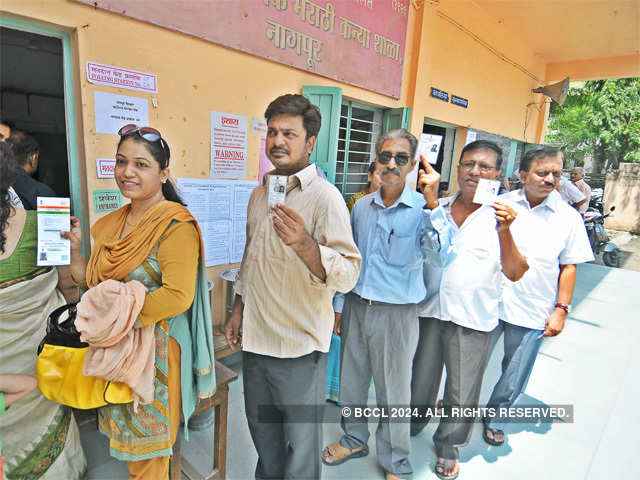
[[228, 145], [259, 126], [115, 111], [220, 207], [110, 76], [105, 167], [106, 200]]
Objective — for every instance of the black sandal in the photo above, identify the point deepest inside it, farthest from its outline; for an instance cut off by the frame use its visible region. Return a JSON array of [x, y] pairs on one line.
[[494, 432]]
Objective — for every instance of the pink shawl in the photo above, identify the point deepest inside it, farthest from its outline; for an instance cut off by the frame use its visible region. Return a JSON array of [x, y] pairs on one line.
[[117, 351]]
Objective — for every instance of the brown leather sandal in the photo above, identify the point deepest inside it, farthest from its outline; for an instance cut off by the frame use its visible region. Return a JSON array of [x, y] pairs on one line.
[[341, 454]]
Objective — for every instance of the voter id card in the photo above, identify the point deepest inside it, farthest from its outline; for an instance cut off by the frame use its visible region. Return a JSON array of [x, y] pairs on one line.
[[487, 191], [276, 189]]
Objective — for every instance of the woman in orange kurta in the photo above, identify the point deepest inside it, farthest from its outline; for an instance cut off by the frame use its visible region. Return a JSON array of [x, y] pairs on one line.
[[155, 240]]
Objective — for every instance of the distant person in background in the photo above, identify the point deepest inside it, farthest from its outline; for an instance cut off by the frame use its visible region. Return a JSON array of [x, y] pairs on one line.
[[577, 177], [14, 199], [443, 190], [373, 176], [25, 151], [571, 194], [5, 131], [514, 183]]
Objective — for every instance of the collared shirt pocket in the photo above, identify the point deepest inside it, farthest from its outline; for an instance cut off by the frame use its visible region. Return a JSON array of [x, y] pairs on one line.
[[401, 250]]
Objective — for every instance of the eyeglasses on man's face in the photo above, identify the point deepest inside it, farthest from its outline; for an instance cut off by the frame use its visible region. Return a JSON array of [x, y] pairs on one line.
[[401, 158], [484, 168], [557, 174]]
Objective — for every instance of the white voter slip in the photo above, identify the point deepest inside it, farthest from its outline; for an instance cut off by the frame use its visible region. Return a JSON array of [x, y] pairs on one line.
[[487, 191], [54, 216], [277, 189]]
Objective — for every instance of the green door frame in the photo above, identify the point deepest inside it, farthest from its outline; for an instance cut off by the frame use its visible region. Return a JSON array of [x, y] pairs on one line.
[[75, 180], [512, 158]]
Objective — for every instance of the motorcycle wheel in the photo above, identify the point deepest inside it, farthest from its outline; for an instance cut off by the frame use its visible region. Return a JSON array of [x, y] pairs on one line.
[[611, 259]]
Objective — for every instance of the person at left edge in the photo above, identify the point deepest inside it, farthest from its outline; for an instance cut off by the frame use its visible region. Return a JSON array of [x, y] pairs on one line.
[[154, 240], [26, 152], [380, 319], [297, 255]]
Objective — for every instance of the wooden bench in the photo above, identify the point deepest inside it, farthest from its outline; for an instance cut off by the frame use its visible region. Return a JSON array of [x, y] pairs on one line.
[[220, 401]]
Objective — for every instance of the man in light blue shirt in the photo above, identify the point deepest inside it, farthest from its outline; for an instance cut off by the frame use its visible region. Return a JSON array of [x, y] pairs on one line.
[[380, 322]]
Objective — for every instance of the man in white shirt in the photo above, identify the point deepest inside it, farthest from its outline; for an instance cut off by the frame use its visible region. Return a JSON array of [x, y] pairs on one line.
[[577, 177], [464, 309], [553, 238]]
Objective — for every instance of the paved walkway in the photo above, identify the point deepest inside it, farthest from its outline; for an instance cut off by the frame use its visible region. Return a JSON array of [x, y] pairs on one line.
[[593, 365]]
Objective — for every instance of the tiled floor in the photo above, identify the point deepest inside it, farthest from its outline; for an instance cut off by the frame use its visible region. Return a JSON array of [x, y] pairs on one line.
[[593, 366]]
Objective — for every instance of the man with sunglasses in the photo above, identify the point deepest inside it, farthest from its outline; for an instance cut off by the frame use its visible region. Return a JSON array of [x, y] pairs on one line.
[[552, 236], [462, 304], [380, 323]]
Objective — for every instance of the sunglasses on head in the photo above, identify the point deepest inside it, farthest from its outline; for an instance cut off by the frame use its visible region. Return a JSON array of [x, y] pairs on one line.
[[148, 133], [401, 158]]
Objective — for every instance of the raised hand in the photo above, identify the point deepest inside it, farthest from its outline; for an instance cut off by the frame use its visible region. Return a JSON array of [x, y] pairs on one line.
[[505, 215], [289, 225], [428, 183]]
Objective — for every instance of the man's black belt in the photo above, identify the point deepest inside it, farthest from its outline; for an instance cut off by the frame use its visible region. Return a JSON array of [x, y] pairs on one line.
[[374, 302]]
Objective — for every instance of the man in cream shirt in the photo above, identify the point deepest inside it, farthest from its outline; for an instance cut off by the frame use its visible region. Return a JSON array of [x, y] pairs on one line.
[[298, 254], [551, 235]]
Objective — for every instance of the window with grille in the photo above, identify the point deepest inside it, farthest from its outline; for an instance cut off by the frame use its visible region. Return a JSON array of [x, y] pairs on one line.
[[360, 127]]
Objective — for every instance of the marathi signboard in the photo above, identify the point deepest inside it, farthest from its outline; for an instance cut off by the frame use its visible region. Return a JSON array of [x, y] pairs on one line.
[[361, 42], [106, 200]]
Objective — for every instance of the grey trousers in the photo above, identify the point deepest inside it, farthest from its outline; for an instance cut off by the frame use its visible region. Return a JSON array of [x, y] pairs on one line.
[[277, 386], [428, 364], [378, 340], [465, 355]]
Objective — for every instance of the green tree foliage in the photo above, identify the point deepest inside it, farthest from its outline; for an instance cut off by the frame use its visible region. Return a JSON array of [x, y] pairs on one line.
[[601, 118]]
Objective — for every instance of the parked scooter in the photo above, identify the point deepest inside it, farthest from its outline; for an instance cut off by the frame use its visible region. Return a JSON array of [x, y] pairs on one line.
[[598, 238], [596, 200]]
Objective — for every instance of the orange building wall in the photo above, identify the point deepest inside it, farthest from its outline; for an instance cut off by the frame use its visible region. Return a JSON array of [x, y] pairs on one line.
[[458, 59]]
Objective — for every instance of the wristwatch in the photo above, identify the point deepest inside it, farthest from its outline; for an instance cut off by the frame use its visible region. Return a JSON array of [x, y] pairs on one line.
[[564, 306]]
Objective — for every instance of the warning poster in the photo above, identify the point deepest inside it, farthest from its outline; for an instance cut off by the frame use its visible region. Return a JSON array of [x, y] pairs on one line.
[[228, 145]]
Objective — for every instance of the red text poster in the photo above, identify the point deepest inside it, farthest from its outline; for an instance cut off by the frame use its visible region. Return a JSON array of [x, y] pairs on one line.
[[228, 145]]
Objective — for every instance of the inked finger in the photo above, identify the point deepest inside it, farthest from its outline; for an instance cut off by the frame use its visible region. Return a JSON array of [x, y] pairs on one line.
[[427, 166]]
